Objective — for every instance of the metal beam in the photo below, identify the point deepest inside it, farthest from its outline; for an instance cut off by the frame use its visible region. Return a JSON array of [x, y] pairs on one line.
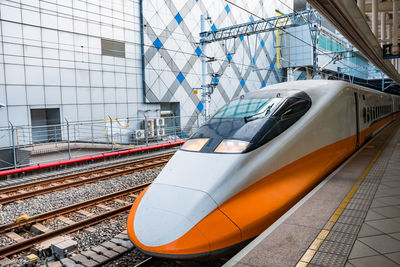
[[260, 26], [347, 18], [361, 5]]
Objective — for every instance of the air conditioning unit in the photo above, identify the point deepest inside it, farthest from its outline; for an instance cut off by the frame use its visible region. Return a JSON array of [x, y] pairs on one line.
[[150, 125], [139, 134], [159, 122], [160, 132], [150, 133]]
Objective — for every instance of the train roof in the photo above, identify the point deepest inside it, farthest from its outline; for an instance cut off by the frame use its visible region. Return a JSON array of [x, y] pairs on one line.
[[314, 88]]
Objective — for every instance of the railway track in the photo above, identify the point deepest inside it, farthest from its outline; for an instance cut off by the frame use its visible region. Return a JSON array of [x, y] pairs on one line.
[[63, 171], [22, 226], [146, 262], [23, 191]]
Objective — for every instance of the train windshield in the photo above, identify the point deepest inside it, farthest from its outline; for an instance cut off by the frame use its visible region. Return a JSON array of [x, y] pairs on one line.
[[248, 108]]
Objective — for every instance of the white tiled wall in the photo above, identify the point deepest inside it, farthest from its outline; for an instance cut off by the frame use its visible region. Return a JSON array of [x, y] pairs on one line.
[[50, 56]]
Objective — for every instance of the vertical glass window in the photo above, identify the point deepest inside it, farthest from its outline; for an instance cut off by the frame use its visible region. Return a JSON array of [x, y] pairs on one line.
[[364, 112], [373, 113]]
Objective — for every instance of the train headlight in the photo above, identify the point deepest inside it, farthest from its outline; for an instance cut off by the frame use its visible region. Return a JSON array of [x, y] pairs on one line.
[[231, 146], [194, 144]]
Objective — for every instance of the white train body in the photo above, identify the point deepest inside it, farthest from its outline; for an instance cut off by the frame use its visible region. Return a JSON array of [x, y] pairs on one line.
[[204, 202]]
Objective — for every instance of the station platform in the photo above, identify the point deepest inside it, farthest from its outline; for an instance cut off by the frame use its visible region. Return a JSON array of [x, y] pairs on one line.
[[352, 218]]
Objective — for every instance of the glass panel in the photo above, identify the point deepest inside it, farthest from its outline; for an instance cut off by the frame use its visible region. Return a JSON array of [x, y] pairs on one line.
[[292, 106], [241, 108]]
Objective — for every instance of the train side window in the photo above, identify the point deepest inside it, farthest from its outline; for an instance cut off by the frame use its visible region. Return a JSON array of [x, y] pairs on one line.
[[372, 114], [368, 114], [364, 112]]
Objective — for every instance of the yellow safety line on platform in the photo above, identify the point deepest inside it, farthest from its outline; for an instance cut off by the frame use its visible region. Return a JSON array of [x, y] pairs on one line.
[[313, 248]]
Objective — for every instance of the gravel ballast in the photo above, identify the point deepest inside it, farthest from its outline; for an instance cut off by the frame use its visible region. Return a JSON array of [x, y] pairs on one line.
[[59, 199], [103, 231]]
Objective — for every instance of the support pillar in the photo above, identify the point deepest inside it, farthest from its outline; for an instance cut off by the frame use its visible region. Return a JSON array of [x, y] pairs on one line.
[[375, 17], [395, 28], [383, 26]]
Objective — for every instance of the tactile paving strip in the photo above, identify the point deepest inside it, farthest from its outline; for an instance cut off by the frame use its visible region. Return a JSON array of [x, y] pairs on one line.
[[344, 228], [336, 247], [328, 259], [329, 246]]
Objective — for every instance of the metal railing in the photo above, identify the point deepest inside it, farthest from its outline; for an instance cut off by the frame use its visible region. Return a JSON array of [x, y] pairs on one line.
[[22, 146]]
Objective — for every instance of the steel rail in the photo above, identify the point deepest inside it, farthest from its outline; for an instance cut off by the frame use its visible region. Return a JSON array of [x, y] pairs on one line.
[[75, 175], [71, 208], [84, 159], [28, 243], [155, 162], [144, 262]]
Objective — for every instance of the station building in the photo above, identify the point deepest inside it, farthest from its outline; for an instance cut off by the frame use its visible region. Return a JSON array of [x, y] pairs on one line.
[[93, 63]]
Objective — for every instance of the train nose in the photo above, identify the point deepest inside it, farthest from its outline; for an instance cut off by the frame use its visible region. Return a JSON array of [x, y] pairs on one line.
[[169, 220], [157, 227]]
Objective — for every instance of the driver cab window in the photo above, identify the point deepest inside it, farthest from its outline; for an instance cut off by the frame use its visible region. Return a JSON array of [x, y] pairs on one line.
[[242, 108], [293, 107]]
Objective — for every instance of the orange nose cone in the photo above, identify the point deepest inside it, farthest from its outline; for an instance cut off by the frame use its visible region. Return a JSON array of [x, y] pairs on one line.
[[214, 232]]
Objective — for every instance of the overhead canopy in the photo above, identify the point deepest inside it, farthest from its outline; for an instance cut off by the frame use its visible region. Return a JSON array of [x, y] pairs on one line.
[[346, 16]]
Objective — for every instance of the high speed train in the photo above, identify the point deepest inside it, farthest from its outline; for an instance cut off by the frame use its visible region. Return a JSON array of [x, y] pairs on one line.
[[252, 161]]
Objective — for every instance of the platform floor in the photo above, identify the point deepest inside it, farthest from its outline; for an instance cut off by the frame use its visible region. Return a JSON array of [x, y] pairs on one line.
[[351, 219]]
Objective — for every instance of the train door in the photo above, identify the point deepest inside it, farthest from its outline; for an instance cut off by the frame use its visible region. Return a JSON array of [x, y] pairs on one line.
[[357, 119]]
